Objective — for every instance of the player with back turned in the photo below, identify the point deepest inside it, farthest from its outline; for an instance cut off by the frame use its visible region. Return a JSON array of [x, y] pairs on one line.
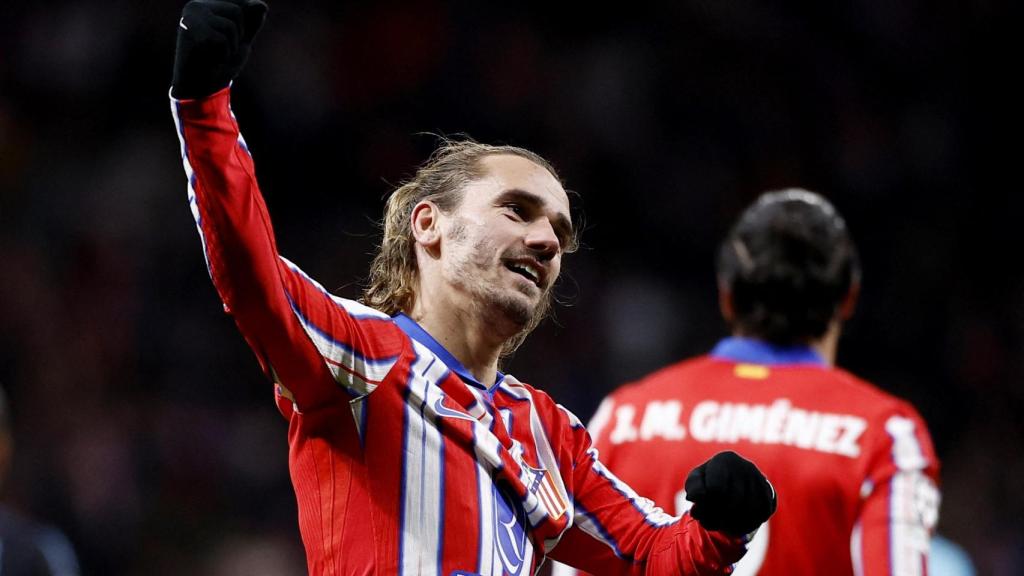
[[854, 465], [409, 452]]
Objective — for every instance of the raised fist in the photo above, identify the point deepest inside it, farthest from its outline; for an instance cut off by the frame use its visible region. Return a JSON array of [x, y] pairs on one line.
[[214, 41], [730, 494]]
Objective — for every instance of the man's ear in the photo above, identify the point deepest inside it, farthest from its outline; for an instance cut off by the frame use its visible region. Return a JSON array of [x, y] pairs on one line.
[[725, 305], [849, 303], [426, 225]]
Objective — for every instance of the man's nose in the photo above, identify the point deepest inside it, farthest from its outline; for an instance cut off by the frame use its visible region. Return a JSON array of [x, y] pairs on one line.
[[542, 238]]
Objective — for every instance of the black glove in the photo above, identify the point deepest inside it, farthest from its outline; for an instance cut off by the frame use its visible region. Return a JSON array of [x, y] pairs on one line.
[[730, 494], [214, 40]]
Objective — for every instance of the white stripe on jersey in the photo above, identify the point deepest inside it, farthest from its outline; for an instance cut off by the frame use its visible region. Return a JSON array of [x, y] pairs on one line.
[[906, 449], [908, 541], [349, 369], [652, 514], [487, 446], [910, 509], [241, 140], [193, 202], [559, 569], [586, 522], [590, 525], [857, 549], [478, 410], [485, 495], [423, 469]]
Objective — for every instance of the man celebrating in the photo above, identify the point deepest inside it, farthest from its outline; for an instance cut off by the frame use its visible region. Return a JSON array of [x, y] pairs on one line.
[[410, 453], [857, 462]]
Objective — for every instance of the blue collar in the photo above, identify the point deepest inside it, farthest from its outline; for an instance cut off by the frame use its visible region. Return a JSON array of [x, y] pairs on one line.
[[754, 351], [417, 333]]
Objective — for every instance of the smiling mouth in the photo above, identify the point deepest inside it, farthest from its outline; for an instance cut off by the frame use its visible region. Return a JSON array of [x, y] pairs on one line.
[[525, 270]]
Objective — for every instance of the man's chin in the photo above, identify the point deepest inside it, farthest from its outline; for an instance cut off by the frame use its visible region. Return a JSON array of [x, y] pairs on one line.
[[514, 311], [518, 314]]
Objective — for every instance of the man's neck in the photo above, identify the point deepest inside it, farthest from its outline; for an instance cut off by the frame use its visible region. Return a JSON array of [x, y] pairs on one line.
[[466, 335], [828, 343]]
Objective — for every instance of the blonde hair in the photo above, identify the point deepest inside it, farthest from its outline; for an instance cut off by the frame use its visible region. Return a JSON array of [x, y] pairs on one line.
[[391, 286]]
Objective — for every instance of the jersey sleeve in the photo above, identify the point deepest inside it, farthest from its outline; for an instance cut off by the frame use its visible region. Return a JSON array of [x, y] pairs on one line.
[[901, 500], [616, 531], [315, 345]]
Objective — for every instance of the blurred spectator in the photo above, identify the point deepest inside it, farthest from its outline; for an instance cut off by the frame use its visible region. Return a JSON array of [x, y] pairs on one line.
[[28, 548]]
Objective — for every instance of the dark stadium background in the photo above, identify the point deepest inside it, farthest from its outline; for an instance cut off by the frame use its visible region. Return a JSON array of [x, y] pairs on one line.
[[144, 429]]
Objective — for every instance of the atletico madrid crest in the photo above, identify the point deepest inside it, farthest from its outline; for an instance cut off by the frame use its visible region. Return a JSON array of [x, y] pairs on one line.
[[544, 488]]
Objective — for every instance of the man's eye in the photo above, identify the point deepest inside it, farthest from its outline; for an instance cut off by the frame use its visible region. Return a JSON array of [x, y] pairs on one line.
[[515, 209]]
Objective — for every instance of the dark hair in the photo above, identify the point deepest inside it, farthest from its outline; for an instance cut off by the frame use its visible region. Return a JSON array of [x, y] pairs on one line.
[[789, 263]]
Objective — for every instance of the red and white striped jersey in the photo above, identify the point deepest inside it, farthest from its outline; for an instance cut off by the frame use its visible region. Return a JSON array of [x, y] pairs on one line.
[[853, 466], [401, 462]]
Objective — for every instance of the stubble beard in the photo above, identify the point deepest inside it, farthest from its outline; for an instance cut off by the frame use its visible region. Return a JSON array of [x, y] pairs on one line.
[[493, 300]]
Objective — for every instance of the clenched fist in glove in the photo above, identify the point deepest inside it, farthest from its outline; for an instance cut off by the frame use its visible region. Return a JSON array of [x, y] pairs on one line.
[[730, 494], [214, 40]]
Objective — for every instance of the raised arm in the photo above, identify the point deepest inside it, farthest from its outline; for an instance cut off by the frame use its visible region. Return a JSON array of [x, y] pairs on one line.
[[305, 339]]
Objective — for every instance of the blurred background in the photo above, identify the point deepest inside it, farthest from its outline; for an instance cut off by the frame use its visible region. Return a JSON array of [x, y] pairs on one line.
[[143, 428]]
